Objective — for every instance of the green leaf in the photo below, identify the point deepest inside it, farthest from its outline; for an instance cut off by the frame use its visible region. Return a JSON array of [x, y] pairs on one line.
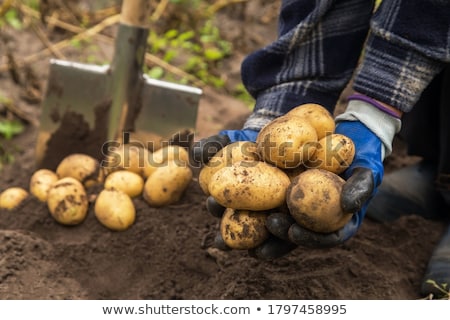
[[10, 128], [156, 73], [213, 54], [12, 18]]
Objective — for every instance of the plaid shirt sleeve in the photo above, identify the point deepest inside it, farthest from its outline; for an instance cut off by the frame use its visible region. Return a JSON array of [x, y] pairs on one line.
[[319, 44], [408, 45]]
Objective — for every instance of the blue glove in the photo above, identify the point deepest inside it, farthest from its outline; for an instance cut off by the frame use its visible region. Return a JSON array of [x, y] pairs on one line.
[[362, 179], [240, 135]]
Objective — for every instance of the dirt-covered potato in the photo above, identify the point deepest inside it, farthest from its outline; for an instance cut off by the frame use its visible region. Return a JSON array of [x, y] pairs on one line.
[[254, 186], [40, 183], [82, 167], [126, 181], [234, 152], [114, 209], [167, 184], [287, 141], [313, 199], [12, 197], [129, 157], [243, 229], [334, 153], [319, 117], [168, 153], [67, 201]]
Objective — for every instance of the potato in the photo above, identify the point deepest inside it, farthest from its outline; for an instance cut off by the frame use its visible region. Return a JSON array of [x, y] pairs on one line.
[[167, 184], [319, 117], [67, 201], [40, 183], [126, 181], [243, 229], [164, 154], [334, 153], [287, 141], [114, 209], [234, 152], [254, 186], [292, 173], [82, 167], [12, 197], [313, 199], [129, 157]]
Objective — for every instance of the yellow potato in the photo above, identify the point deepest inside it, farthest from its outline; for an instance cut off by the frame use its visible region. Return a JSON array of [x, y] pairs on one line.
[[164, 154], [287, 141], [167, 184], [254, 186], [12, 197], [131, 157], [126, 181], [40, 183], [67, 201], [334, 153], [243, 229], [313, 199], [114, 209], [82, 167], [234, 152], [292, 173], [319, 117]]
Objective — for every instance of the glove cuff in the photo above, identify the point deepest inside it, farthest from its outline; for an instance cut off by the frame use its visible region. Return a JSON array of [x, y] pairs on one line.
[[382, 124]]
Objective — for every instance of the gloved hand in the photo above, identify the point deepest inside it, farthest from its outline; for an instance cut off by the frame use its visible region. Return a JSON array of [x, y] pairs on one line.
[[372, 130], [362, 178], [203, 150]]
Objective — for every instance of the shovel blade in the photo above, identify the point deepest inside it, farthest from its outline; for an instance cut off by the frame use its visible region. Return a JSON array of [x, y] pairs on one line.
[[74, 112], [168, 113]]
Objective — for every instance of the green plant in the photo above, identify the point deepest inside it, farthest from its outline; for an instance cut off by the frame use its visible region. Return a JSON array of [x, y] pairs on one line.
[[196, 52], [443, 288], [11, 18], [10, 128]]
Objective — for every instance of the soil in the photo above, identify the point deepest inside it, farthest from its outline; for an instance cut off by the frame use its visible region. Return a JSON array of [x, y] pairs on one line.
[[168, 253]]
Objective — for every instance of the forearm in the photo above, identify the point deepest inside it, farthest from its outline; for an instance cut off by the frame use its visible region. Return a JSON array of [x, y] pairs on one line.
[[408, 46], [312, 60]]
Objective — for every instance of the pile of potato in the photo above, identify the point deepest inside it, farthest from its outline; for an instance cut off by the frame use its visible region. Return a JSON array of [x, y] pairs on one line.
[[294, 163], [160, 177]]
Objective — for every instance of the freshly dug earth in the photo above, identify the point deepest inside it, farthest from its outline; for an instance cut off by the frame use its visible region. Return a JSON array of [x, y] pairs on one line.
[[167, 253]]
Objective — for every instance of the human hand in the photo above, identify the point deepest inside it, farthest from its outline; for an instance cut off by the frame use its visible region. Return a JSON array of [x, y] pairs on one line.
[[203, 150]]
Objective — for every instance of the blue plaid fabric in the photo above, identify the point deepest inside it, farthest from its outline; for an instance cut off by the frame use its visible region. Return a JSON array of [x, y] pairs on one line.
[[318, 49]]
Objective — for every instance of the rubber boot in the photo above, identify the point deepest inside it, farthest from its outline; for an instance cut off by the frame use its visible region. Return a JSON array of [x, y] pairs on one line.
[[437, 276], [409, 190]]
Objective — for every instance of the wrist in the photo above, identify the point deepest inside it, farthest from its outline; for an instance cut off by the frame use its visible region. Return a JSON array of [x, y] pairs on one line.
[[379, 122], [392, 111]]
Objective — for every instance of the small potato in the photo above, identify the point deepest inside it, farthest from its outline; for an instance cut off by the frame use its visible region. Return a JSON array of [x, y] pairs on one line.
[[254, 186], [129, 157], [164, 154], [12, 197], [287, 141], [67, 201], [334, 153], [319, 117], [40, 183], [114, 209], [313, 199], [126, 181], [82, 167], [243, 229], [167, 184], [234, 152]]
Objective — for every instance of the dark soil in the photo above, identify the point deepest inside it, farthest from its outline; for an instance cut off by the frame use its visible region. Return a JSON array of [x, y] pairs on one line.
[[167, 253]]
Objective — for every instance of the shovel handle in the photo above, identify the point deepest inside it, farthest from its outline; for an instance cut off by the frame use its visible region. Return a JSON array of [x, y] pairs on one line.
[[135, 13]]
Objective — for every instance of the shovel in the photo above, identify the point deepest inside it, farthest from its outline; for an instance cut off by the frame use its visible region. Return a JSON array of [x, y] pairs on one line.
[[87, 108]]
